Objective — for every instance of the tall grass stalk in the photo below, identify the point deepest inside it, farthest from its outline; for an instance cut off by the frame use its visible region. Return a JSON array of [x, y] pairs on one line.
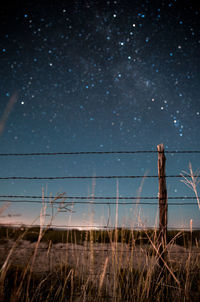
[[42, 223]]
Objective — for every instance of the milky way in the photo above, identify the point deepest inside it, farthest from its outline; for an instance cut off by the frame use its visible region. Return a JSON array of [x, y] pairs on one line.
[[99, 76]]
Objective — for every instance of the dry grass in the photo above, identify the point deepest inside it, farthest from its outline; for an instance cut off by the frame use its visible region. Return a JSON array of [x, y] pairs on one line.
[[116, 271], [113, 267]]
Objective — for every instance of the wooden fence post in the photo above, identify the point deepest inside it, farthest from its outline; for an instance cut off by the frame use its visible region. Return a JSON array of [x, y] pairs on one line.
[[162, 234]]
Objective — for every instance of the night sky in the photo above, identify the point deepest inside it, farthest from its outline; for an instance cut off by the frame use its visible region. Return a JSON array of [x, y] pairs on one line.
[[99, 76]]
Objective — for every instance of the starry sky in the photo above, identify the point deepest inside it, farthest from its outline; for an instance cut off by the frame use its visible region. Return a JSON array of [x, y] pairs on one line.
[[99, 76]]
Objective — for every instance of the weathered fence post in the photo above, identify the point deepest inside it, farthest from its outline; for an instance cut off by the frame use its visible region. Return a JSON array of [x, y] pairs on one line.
[[162, 234]]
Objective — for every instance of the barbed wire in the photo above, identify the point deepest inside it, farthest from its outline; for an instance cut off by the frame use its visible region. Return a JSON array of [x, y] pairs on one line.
[[98, 152], [98, 203], [94, 197], [75, 153], [88, 177], [90, 199]]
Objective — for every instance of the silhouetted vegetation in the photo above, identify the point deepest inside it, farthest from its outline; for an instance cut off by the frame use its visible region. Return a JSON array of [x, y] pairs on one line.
[[98, 236]]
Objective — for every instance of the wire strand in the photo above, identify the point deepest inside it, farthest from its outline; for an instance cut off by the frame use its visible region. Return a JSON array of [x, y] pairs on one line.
[[86, 177], [94, 197], [98, 152], [98, 203]]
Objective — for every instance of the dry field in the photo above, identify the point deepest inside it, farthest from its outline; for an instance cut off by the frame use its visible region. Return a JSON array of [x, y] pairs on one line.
[[115, 271]]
